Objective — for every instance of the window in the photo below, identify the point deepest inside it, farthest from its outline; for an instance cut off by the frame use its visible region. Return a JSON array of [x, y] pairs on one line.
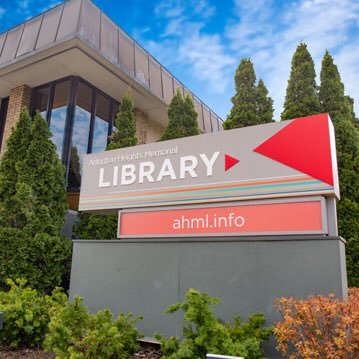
[[101, 127], [41, 100], [80, 121], [58, 114], [3, 112], [80, 135]]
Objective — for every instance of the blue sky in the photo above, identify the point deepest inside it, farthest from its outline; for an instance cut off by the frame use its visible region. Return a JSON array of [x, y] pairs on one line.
[[202, 41]]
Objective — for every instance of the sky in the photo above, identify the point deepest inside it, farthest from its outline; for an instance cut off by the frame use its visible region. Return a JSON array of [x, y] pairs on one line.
[[202, 41]]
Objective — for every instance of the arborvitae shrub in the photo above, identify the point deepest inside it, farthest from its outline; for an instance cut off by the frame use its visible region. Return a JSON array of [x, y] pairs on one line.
[[76, 333], [203, 333], [26, 314]]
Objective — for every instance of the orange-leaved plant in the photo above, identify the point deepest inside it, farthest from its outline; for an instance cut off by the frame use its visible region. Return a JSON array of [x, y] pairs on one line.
[[319, 327]]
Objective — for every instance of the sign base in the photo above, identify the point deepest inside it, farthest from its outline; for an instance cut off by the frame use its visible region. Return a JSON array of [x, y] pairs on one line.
[[247, 273]]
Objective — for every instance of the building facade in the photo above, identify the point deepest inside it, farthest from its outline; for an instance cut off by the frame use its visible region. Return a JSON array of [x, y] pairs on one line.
[[73, 64]]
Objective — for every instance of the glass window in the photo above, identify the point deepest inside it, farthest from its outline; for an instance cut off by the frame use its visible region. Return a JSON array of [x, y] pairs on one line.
[[58, 114], [80, 135], [101, 125], [4, 104], [41, 100]]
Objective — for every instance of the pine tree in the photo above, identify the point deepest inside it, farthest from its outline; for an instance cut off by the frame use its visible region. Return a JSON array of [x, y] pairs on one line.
[[244, 111], [302, 93], [182, 118], [264, 104], [340, 109], [92, 226], [17, 146]]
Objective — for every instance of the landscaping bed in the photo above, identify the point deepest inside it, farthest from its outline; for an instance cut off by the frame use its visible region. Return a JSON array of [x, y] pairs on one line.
[[147, 351]]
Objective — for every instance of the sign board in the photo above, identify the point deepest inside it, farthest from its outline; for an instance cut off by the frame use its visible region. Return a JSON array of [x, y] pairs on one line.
[[282, 159], [268, 217]]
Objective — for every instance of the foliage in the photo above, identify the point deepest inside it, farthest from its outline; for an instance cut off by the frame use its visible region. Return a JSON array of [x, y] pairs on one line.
[[182, 118], [124, 134], [319, 327], [35, 201], [302, 92], [352, 252], [204, 333], [264, 104], [43, 260], [251, 103], [76, 333], [92, 226], [340, 109], [17, 146], [26, 314]]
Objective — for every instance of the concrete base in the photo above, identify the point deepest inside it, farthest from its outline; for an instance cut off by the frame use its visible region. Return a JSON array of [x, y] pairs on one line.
[[146, 276]]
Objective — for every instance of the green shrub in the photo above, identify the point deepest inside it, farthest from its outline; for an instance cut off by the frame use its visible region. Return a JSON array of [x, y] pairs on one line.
[[76, 333], [26, 314], [204, 333], [43, 260]]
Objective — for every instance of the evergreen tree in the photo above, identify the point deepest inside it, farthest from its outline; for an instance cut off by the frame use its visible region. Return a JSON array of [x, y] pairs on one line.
[[340, 109], [264, 104], [92, 226], [33, 207], [44, 176], [244, 111], [17, 146], [302, 93], [182, 118], [124, 134], [251, 103]]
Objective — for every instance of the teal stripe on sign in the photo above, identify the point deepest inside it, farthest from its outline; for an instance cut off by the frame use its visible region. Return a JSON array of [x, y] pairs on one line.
[[214, 191], [115, 205]]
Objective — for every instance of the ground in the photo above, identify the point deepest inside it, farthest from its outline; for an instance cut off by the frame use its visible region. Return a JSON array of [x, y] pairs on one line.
[[147, 351]]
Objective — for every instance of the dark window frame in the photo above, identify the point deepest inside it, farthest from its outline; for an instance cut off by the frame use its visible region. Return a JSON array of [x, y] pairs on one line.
[[71, 110], [4, 105]]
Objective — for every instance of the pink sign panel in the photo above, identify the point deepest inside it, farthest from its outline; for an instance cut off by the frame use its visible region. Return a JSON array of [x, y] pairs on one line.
[[263, 218]]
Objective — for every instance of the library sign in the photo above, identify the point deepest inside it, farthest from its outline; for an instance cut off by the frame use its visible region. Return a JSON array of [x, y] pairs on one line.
[[266, 179]]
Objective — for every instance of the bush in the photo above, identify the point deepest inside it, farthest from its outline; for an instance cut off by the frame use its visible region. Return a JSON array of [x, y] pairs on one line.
[[319, 327], [26, 314], [76, 333], [43, 260], [204, 333]]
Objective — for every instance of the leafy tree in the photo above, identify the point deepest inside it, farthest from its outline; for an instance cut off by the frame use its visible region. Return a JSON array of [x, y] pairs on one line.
[[251, 103], [264, 103], [340, 109], [92, 226], [182, 118], [302, 93]]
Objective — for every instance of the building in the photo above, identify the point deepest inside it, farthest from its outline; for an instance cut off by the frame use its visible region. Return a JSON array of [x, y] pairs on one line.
[[73, 64]]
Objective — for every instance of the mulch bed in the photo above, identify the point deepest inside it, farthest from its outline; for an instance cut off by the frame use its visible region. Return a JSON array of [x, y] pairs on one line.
[[147, 351]]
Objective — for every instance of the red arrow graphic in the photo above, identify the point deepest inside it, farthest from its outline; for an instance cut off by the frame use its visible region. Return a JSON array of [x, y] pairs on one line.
[[229, 162]]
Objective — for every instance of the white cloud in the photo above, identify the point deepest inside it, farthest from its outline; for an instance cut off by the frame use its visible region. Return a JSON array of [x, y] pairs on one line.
[[270, 35], [186, 44]]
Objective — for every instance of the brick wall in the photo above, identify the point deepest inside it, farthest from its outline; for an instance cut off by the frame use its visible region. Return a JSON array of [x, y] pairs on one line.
[[19, 98], [141, 126]]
